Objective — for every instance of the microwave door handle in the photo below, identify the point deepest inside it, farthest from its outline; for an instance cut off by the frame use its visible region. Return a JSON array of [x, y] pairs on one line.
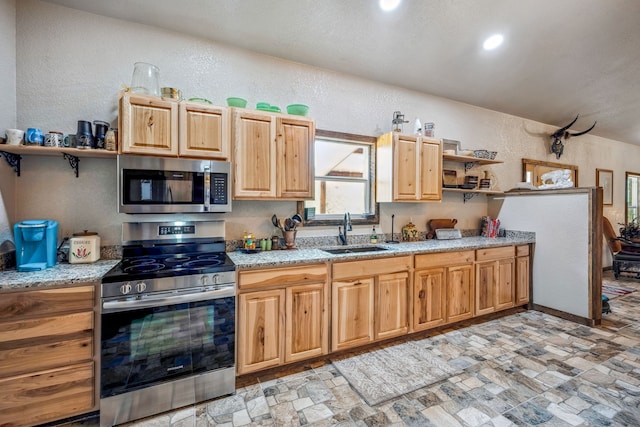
[[207, 188]]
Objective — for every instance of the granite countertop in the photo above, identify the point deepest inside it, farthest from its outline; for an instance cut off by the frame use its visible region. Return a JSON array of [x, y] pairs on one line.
[[62, 274], [279, 258]]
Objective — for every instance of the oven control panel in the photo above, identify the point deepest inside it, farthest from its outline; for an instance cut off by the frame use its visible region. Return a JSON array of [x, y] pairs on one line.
[[170, 230]]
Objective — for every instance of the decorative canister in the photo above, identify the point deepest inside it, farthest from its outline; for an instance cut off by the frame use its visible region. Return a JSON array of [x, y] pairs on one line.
[[409, 232], [84, 247]]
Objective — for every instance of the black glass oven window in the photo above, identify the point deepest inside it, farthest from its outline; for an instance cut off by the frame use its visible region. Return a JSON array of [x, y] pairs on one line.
[[145, 347], [162, 187]]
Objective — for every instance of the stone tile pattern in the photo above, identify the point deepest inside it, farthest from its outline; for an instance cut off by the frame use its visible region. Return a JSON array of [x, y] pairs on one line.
[[527, 369]]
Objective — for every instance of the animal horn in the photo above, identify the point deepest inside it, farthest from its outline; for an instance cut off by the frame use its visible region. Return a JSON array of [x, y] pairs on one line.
[[561, 130], [583, 132]]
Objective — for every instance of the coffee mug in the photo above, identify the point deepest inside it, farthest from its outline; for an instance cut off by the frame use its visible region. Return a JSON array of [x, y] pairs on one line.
[[34, 136], [14, 136], [69, 141], [53, 139]]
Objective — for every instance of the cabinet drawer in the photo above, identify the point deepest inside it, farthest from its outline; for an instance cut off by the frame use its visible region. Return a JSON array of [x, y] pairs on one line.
[[46, 327], [47, 395], [522, 250], [19, 359], [444, 259], [371, 267], [258, 279], [23, 304], [489, 254]]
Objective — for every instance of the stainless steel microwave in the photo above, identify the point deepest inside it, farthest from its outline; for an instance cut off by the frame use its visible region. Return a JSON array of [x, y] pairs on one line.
[[168, 185]]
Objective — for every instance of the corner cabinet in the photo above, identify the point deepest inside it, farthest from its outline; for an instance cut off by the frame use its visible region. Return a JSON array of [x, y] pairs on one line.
[[409, 168], [46, 355], [283, 316], [166, 127], [273, 156]]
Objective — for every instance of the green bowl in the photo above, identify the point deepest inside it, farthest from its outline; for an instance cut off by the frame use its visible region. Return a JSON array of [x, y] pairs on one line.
[[237, 102], [206, 101], [275, 109], [263, 106], [298, 109]]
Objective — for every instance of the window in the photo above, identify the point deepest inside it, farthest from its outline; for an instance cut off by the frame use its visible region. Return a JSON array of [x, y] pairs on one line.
[[344, 180], [632, 196]]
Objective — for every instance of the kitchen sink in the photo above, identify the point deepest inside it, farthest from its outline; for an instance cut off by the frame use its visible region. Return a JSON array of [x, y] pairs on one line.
[[355, 250]]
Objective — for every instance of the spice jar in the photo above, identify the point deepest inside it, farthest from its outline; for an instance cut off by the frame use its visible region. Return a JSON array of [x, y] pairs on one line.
[[111, 139]]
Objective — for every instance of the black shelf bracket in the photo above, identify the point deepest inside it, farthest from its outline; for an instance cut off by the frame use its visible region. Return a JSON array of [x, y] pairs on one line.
[[13, 160], [468, 196], [73, 162], [468, 165]]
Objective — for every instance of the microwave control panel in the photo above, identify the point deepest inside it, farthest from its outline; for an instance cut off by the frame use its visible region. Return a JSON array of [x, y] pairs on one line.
[[219, 188]]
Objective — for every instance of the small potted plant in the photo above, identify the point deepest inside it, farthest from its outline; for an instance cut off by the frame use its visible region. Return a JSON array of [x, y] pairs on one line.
[[631, 230]]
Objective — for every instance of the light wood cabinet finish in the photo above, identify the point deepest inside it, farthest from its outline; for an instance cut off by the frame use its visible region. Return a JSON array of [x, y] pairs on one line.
[[283, 316], [204, 131], [523, 272], [409, 168], [352, 313], [273, 156], [148, 125], [46, 355], [443, 288], [370, 300], [495, 274], [307, 322], [151, 125], [391, 305], [261, 329]]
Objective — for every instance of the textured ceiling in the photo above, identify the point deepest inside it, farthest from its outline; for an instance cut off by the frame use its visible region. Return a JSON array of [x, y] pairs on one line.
[[560, 57]]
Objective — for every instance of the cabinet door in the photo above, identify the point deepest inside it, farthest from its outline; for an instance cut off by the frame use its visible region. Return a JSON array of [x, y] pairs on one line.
[[307, 323], [391, 305], [294, 158], [486, 280], [204, 131], [260, 329], [352, 313], [254, 156], [522, 280], [430, 169], [459, 293], [405, 167], [429, 298], [149, 125], [505, 286]]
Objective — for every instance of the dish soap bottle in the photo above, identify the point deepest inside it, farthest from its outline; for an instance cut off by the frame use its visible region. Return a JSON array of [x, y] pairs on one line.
[[374, 236]]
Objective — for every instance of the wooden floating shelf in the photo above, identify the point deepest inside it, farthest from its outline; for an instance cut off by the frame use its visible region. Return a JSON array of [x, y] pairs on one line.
[[56, 151], [469, 159]]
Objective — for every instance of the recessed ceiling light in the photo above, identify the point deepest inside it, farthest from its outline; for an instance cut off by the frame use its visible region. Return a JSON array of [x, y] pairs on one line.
[[493, 42], [389, 5]]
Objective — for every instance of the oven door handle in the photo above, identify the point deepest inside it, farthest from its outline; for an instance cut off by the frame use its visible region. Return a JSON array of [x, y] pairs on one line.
[[115, 306]]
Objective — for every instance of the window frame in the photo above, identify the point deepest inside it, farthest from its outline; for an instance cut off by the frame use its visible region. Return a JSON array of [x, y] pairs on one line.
[[628, 174], [356, 219]]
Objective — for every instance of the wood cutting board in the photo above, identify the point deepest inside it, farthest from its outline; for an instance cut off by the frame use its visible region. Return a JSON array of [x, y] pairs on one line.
[[434, 224]]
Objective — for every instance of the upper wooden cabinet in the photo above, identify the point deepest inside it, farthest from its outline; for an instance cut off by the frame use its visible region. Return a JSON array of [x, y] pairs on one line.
[[409, 168], [273, 156], [163, 127]]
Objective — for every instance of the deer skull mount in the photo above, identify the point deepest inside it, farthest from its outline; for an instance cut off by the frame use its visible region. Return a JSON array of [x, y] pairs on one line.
[[558, 137]]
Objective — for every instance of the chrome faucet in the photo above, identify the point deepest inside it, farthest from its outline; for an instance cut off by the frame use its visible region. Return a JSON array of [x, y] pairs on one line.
[[346, 224]]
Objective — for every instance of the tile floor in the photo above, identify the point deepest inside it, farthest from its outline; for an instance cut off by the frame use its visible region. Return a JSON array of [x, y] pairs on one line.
[[527, 369]]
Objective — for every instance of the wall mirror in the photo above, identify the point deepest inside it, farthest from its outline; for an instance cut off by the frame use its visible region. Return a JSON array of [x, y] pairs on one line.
[[632, 196], [532, 170]]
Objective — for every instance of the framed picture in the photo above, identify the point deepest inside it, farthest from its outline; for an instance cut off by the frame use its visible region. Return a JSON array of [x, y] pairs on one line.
[[604, 179]]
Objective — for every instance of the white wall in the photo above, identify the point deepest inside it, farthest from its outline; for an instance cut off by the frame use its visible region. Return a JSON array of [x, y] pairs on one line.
[[76, 74], [7, 112]]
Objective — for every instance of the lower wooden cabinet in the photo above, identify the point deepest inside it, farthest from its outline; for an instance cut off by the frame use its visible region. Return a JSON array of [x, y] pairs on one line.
[[369, 301], [443, 288], [282, 316], [46, 355], [523, 273], [495, 279]]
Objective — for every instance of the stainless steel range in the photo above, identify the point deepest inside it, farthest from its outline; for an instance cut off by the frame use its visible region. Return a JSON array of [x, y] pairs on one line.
[[167, 320]]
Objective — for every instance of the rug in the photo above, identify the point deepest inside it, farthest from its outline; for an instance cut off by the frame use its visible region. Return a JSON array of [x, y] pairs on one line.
[[615, 291], [391, 372]]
